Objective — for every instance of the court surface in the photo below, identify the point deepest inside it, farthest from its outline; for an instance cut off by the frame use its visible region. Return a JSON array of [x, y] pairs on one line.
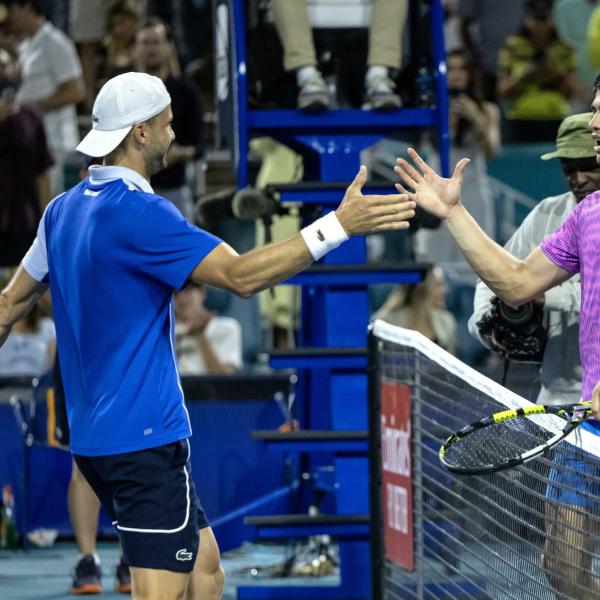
[[44, 573]]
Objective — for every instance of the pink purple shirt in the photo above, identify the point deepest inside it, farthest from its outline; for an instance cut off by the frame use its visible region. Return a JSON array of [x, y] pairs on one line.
[[575, 247]]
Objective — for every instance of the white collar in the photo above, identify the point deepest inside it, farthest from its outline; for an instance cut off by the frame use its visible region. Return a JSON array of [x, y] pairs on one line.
[[43, 30], [100, 174]]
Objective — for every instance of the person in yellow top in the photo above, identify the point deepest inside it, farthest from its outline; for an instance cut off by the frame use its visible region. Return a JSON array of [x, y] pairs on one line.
[[593, 38], [536, 77]]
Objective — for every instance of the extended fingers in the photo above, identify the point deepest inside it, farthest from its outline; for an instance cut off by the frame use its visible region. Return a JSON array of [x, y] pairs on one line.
[[408, 173], [418, 160], [403, 190]]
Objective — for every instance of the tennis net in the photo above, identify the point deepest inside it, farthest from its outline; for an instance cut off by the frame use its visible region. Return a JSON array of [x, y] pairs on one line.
[[529, 533]]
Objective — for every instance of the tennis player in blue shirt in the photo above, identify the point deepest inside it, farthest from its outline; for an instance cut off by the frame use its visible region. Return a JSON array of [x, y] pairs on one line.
[[112, 253]]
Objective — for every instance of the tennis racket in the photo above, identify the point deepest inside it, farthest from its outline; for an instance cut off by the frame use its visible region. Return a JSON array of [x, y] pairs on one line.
[[510, 438]]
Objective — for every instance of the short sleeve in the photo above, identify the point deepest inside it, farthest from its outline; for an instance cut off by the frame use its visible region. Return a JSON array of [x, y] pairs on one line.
[[35, 262], [166, 246], [562, 247], [63, 60]]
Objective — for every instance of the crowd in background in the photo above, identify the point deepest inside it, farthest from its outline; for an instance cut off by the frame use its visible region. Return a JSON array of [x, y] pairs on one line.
[[513, 76]]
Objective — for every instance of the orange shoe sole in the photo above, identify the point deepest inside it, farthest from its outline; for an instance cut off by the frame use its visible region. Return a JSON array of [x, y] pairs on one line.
[[88, 589], [123, 588]]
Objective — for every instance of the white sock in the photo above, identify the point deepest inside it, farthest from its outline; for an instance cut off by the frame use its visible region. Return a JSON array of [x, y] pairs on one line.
[[375, 72], [304, 73], [96, 558]]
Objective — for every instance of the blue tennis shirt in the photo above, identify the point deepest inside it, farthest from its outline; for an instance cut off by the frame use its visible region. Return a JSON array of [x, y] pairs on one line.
[[113, 252]]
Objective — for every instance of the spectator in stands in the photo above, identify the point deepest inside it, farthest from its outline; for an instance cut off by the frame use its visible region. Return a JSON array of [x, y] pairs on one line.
[[87, 25], [51, 80], [206, 343], [421, 306], [153, 53], [485, 26], [561, 370], [536, 77], [572, 18], [385, 53], [30, 348], [475, 132], [122, 21], [24, 167], [453, 38]]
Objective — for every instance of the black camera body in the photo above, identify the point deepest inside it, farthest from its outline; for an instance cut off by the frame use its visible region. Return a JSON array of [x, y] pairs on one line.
[[516, 333]]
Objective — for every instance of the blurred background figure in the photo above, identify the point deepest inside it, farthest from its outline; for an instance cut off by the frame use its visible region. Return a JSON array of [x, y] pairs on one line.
[[87, 26], [485, 26], [385, 53], [155, 54], [475, 133], [422, 307], [30, 348], [25, 162], [572, 19], [122, 20], [536, 77], [206, 343], [51, 80]]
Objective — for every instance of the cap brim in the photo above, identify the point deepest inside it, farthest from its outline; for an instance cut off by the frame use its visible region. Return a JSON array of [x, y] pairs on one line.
[[572, 154], [98, 143]]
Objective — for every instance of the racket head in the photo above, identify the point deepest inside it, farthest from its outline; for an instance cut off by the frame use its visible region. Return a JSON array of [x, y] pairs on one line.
[[509, 438]]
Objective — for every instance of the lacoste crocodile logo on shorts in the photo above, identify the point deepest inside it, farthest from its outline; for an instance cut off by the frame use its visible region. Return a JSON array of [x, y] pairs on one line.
[[183, 554], [320, 235]]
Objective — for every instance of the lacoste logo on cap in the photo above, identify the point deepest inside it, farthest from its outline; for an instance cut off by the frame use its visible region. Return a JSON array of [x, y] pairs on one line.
[[320, 235], [95, 119], [183, 554]]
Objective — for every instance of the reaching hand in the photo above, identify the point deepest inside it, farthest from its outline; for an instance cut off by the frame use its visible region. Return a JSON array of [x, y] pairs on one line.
[[437, 195], [361, 215]]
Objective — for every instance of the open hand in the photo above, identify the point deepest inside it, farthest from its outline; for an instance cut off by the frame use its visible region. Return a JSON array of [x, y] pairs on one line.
[[363, 214], [437, 195]]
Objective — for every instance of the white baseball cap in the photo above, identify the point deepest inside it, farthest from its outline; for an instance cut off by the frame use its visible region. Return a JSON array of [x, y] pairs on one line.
[[122, 102]]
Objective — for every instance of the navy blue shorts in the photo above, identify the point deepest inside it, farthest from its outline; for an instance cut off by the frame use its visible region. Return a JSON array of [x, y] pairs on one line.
[[151, 499]]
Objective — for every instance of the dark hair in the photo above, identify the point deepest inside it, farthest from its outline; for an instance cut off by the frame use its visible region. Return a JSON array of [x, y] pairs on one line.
[[39, 7], [597, 83], [123, 7], [152, 22], [474, 88]]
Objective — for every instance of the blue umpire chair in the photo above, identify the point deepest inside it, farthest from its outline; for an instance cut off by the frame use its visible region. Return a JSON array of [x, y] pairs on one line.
[[331, 360]]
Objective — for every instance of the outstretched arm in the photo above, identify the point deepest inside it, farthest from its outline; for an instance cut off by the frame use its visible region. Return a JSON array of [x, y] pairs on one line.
[[17, 298], [266, 266], [512, 280]]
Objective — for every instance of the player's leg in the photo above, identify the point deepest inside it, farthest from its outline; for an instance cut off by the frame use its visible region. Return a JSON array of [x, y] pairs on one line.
[[572, 527], [205, 582], [207, 579], [84, 509], [158, 584], [571, 540]]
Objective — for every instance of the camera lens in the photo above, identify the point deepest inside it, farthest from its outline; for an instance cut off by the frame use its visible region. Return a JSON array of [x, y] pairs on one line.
[[516, 316]]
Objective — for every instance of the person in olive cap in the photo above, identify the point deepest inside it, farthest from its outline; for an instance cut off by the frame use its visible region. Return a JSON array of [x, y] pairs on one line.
[[572, 533]]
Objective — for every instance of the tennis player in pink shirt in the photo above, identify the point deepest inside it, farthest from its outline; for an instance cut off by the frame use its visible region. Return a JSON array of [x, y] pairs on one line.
[[573, 248]]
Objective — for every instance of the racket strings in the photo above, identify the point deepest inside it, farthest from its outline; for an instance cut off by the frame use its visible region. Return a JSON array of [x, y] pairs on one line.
[[501, 442]]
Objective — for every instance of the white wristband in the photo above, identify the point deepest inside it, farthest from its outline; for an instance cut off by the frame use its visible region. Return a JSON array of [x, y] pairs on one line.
[[324, 235]]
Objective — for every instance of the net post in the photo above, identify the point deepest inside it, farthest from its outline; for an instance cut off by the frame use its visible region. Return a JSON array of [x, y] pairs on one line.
[[374, 396], [417, 476]]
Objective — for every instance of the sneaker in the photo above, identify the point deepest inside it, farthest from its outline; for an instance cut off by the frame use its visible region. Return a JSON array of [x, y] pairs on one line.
[[381, 94], [314, 94], [123, 578], [86, 577]]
